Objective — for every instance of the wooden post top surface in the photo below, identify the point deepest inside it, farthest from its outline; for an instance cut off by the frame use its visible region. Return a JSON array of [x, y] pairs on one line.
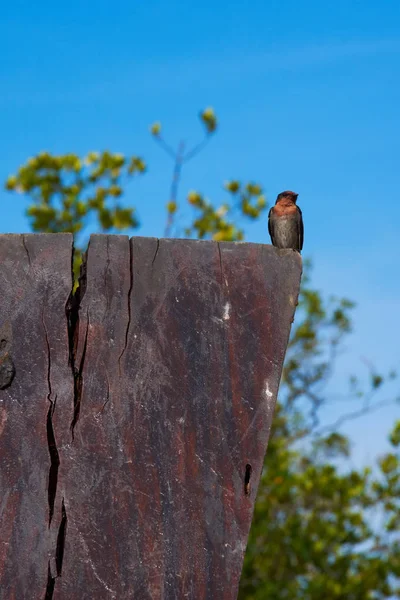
[[135, 414]]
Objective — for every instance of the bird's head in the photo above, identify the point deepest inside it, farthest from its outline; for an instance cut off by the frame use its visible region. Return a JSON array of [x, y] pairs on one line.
[[287, 197]]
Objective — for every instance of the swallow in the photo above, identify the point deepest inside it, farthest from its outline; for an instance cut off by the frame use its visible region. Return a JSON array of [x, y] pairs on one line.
[[285, 222]]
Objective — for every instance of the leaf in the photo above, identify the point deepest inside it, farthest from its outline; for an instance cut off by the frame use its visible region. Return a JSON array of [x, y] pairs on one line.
[[253, 189], [105, 219], [11, 183], [376, 381], [155, 129], [209, 120], [124, 219], [394, 437], [232, 186], [64, 189], [194, 198], [172, 207]]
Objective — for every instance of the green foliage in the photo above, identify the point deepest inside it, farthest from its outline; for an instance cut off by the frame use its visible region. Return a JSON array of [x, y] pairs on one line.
[[313, 535], [66, 190], [319, 531], [220, 223], [317, 332], [155, 129], [395, 435], [209, 120]]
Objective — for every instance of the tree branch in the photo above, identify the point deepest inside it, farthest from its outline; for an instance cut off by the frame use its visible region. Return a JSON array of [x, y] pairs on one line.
[[176, 176], [352, 415], [165, 146], [192, 153]]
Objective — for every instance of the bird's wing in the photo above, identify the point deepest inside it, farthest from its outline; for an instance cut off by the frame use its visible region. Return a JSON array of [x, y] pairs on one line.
[[300, 227], [270, 225]]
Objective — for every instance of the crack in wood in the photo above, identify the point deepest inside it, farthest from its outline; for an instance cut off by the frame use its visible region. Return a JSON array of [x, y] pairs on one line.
[[54, 460], [62, 531], [78, 381], [72, 309], [59, 555], [26, 249], [108, 395], [168, 440], [220, 263], [51, 440], [51, 582], [48, 359], [53, 478], [129, 305], [156, 252], [107, 268]]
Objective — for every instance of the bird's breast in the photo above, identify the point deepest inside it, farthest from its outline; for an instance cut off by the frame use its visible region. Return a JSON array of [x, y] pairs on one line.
[[283, 210], [285, 231]]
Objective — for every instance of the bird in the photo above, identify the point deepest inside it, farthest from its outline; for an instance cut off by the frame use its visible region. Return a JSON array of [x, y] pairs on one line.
[[285, 222]]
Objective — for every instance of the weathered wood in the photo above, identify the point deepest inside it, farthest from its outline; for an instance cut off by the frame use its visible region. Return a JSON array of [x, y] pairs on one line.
[[159, 420], [35, 282]]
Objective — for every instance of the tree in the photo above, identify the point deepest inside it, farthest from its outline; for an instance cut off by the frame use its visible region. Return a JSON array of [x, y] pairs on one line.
[[319, 531]]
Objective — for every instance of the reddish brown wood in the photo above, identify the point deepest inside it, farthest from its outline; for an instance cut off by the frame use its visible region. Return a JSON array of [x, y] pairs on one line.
[[35, 282], [177, 349]]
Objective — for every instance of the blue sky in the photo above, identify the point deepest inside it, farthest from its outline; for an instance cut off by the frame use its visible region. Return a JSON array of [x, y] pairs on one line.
[[307, 95]]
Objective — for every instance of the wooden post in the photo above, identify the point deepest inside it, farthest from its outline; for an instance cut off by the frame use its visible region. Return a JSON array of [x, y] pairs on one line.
[[134, 416]]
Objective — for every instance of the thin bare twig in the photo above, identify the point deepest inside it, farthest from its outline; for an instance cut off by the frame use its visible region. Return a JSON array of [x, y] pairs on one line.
[[179, 158], [165, 146], [366, 409], [176, 177], [192, 153]]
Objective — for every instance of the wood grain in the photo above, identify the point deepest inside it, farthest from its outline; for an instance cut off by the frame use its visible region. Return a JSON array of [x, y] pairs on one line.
[[160, 418], [35, 282]]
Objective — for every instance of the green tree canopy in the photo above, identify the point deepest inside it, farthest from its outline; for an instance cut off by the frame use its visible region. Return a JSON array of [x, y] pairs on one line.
[[320, 530]]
